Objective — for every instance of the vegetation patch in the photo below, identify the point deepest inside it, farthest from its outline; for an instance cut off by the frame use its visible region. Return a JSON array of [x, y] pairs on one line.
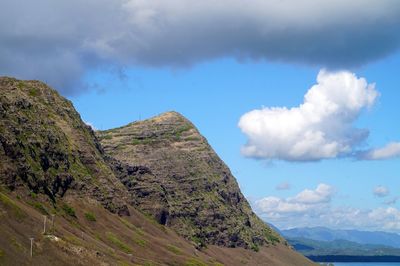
[[128, 224], [106, 137], [117, 242], [255, 247], [20, 85], [199, 241], [135, 142], [90, 217], [38, 206], [73, 240], [140, 242], [194, 262], [16, 244], [193, 138], [174, 249], [33, 92], [272, 238], [68, 210], [2, 254], [182, 129], [11, 205]]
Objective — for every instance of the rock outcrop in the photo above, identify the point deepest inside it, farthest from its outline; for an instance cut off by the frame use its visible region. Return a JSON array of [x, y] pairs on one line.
[[183, 183], [47, 148]]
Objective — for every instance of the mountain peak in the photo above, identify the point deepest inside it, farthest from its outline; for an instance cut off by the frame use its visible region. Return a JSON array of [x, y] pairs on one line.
[[198, 196]]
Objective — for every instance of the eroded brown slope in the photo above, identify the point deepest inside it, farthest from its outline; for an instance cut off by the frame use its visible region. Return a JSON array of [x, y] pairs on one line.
[[111, 239]]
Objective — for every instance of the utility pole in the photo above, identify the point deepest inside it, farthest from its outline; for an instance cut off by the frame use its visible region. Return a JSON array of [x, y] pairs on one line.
[[52, 223], [44, 224], [31, 246]]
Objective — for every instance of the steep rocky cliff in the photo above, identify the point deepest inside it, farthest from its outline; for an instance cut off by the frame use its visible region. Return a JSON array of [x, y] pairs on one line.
[[46, 147], [186, 186]]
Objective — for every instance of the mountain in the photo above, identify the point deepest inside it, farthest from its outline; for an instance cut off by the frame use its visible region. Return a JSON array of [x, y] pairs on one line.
[[84, 206], [196, 194], [361, 237], [48, 150]]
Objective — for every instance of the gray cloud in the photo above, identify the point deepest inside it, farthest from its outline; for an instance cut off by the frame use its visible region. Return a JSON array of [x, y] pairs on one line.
[[59, 41]]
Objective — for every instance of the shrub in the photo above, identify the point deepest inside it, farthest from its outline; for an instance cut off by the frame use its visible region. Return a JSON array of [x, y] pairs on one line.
[[255, 248], [68, 210], [33, 92], [90, 217]]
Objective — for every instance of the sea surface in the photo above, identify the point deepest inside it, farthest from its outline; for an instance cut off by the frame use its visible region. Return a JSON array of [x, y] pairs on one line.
[[367, 263]]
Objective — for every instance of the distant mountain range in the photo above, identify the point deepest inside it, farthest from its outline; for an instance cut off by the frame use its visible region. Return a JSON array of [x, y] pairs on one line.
[[324, 244], [310, 247], [360, 237]]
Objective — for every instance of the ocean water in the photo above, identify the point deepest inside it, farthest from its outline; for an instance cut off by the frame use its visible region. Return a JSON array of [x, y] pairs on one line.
[[367, 263]]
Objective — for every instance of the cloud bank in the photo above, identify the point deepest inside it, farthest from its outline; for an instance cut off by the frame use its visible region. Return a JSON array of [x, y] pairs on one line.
[[311, 208], [320, 128], [59, 41]]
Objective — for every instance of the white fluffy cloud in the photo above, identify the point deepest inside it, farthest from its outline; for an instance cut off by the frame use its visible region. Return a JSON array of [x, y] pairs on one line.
[[302, 202], [321, 127], [321, 194], [391, 150], [381, 191], [311, 208], [59, 41]]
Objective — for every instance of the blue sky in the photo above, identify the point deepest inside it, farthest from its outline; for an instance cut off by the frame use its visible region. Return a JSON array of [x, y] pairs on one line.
[[214, 95], [280, 89]]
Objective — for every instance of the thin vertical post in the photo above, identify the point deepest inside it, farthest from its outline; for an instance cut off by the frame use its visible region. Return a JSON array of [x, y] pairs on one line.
[[44, 224], [31, 246], [52, 223]]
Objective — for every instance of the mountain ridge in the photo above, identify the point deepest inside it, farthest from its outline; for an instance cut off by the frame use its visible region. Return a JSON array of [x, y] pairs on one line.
[[52, 166]]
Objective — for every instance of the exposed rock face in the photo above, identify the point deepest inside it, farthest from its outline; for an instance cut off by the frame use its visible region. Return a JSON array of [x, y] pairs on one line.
[[45, 146], [183, 183]]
